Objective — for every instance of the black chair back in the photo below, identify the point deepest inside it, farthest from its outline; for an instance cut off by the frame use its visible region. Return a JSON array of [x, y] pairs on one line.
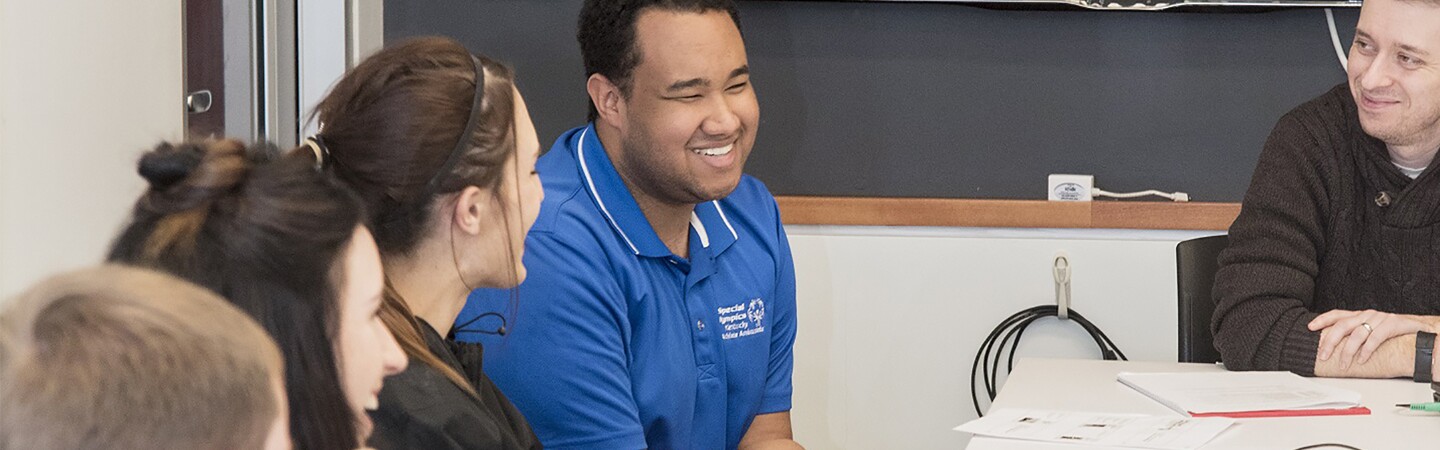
[[1196, 262]]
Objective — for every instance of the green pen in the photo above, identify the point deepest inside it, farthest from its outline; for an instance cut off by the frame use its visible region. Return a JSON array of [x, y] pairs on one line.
[[1432, 407]]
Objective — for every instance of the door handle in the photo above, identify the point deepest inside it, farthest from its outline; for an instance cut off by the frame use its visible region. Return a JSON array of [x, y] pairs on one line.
[[198, 101]]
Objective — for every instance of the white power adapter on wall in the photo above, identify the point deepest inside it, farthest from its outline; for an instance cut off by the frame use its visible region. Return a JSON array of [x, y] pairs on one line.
[[1071, 188], [1081, 188]]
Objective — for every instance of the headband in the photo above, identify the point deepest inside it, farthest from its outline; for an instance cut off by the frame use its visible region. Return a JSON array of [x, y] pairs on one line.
[[464, 142]]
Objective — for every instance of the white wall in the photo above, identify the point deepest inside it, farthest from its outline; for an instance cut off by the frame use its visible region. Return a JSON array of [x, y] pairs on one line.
[[367, 29], [333, 36], [891, 318], [322, 45], [85, 87]]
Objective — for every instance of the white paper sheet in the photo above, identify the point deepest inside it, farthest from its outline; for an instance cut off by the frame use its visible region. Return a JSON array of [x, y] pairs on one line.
[[1109, 430], [1212, 392]]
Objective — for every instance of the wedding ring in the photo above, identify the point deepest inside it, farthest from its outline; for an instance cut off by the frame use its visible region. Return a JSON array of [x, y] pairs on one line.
[[1367, 327]]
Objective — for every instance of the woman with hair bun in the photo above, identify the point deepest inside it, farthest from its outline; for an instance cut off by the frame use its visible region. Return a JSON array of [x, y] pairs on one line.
[[288, 245], [440, 147]]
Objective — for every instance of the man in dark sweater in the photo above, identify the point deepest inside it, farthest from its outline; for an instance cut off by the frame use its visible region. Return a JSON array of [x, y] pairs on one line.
[[1333, 267]]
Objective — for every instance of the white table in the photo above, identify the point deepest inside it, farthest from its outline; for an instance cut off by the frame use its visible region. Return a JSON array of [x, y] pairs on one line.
[[1089, 385]]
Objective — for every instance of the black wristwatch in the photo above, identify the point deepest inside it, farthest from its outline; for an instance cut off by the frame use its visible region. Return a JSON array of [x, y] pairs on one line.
[[1424, 354]]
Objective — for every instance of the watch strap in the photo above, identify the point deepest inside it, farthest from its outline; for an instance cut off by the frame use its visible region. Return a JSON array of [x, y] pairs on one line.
[[1424, 356]]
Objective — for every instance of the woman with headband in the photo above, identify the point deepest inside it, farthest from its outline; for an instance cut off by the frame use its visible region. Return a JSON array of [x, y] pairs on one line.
[[440, 147]]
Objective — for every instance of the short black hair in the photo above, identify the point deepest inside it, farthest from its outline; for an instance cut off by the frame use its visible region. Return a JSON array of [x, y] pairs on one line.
[[607, 34]]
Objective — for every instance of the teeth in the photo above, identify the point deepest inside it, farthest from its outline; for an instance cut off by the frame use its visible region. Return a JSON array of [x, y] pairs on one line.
[[717, 151], [372, 403]]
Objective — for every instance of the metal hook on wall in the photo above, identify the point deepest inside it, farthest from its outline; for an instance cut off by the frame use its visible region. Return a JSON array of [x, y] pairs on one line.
[[1061, 270]]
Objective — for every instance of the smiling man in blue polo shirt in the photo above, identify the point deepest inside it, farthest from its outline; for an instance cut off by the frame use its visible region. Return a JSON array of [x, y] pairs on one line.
[[659, 310]]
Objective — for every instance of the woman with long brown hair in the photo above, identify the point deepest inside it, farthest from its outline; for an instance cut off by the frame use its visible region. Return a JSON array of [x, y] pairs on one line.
[[289, 246], [440, 147]]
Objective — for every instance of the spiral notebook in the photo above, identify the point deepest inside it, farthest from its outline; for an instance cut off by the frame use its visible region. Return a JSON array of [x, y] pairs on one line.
[[1244, 394]]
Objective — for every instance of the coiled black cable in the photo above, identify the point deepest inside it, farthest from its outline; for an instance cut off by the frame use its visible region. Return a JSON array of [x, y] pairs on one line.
[[1010, 331]]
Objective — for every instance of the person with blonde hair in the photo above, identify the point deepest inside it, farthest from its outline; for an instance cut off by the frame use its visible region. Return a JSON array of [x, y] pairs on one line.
[[123, 358]]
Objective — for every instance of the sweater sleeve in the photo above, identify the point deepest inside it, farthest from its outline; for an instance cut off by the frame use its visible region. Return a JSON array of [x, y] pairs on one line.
[[1264, 289]]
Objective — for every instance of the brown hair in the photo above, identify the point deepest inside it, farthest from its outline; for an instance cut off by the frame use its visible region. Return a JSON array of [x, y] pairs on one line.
[[267, 232], [391, 124], [125, 358]]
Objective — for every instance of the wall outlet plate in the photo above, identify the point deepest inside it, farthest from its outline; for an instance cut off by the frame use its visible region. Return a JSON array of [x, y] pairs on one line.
[[1071, 188]]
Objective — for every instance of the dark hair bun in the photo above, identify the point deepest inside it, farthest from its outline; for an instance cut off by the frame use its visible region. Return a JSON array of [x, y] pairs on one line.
[[188, 175], [169, 164]]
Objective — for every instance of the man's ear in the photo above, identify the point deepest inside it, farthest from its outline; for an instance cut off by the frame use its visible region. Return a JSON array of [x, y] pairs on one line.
[[609, 101], [470, 205]]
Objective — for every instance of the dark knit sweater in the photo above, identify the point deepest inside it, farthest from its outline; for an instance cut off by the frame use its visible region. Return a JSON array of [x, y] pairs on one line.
[[1312, 237]]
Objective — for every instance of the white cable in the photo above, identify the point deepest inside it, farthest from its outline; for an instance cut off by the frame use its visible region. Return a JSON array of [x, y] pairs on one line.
[[1176, 196], [1335, 40]]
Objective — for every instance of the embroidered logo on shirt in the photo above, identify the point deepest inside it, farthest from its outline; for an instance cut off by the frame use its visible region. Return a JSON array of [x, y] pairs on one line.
[[756, 311], [742, 319]]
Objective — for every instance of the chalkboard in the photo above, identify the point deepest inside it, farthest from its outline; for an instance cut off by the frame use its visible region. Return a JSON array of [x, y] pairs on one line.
[[954, 101]]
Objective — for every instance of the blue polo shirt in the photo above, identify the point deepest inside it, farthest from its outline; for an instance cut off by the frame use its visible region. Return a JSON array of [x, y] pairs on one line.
[[619, 344]]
